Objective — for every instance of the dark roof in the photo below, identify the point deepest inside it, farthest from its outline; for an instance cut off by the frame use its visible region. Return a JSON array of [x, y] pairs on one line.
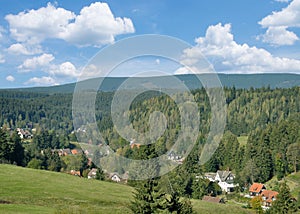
[[223, 174], [211, 199]]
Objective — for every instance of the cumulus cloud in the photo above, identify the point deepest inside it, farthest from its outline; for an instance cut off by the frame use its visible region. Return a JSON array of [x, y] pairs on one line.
[[36, 62], [10, 78], [279, 21], [90, 71], [227, 55], [279, 36], [95, 25], [34, 26], [284, 1], [2, 60], [66, 69], [1, 32], [41, 81], [19, 48]]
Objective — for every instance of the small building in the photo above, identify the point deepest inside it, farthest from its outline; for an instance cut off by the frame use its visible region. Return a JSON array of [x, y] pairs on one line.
[[225, 180], [115, 177], [76, 173], [268, 196], [210, 176], [256, 189], [92, 173], [24, 134], [212, 199], [75, 151]]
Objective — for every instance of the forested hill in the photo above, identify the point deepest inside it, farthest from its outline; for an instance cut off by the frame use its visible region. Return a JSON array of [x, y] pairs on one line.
[[244, 81]]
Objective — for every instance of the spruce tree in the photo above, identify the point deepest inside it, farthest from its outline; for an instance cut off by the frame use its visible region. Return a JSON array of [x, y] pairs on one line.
[[147, 198], [284, 203]]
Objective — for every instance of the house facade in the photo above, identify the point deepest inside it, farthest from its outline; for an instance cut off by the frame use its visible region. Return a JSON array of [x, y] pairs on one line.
[[225, 179], [92, 173], [268, 196], [256, 189], [115, 177]]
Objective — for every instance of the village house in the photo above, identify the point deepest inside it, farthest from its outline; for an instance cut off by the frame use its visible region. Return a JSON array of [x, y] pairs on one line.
[[268, 196], [24, 134], [92, 173], [225, 179], [75, 173], [256, 189], [115, 177], [75, 151], [174, 157]]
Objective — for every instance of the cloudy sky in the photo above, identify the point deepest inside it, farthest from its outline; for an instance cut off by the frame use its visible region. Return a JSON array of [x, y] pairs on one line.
[[49, 42]]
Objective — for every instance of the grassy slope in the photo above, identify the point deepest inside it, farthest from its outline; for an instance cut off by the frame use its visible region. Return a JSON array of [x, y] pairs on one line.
[[294, 183], [48, 192], [212, 208], [292, 180], [243, 140], [38, 191]]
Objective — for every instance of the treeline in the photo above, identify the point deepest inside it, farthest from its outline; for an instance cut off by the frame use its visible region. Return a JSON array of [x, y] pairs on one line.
[[272, 151]]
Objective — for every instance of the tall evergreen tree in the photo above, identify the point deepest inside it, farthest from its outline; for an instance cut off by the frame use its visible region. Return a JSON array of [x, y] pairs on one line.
[[147, 197], [284, 203]]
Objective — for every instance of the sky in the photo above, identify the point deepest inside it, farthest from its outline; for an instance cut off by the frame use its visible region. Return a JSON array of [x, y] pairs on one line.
[[46, 43]]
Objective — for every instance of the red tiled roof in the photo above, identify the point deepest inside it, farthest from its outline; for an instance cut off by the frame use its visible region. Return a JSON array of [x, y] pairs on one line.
[[135, 145], [74, 151], [269, 194], [256, 187]]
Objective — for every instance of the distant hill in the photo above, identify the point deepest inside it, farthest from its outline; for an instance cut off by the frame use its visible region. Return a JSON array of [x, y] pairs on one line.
[[228, 80]]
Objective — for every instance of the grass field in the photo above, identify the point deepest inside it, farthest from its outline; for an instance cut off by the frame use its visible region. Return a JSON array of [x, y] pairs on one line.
[[38, 191], [242, 140], [26, 190], [292, 180]]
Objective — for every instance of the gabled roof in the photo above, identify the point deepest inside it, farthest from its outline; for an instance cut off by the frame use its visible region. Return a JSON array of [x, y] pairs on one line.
[[223, 174], [211, 199], [92, 172], [269, 194], [257, 187], [75, 151]]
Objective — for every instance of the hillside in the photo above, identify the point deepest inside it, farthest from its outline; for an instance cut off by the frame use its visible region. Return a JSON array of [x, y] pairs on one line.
[[38, 191], [228, 80], [26, 190], [293, 181]]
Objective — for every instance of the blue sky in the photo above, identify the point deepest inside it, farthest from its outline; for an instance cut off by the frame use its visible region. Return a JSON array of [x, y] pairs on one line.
[[49, 42]]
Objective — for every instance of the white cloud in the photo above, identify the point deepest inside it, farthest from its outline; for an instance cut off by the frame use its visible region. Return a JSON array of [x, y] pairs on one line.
[[10, 78], [288, 16], [279, 21], [34, 26], [279, 36], [2, 60], [284, 1], [1, 32], [226, 55], [182, 70], [90, 71], [66, 69], [19, 48], [36, 62], [95, 25], [41, 81]]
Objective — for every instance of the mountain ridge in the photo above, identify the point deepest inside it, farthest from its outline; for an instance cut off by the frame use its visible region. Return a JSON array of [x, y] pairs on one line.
[[246, 81]]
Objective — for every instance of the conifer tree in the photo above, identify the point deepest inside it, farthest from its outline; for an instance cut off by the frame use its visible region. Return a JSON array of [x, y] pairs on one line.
[[284, 203]]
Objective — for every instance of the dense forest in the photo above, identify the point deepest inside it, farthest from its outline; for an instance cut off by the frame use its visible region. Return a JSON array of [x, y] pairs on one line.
[[269, 120]]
